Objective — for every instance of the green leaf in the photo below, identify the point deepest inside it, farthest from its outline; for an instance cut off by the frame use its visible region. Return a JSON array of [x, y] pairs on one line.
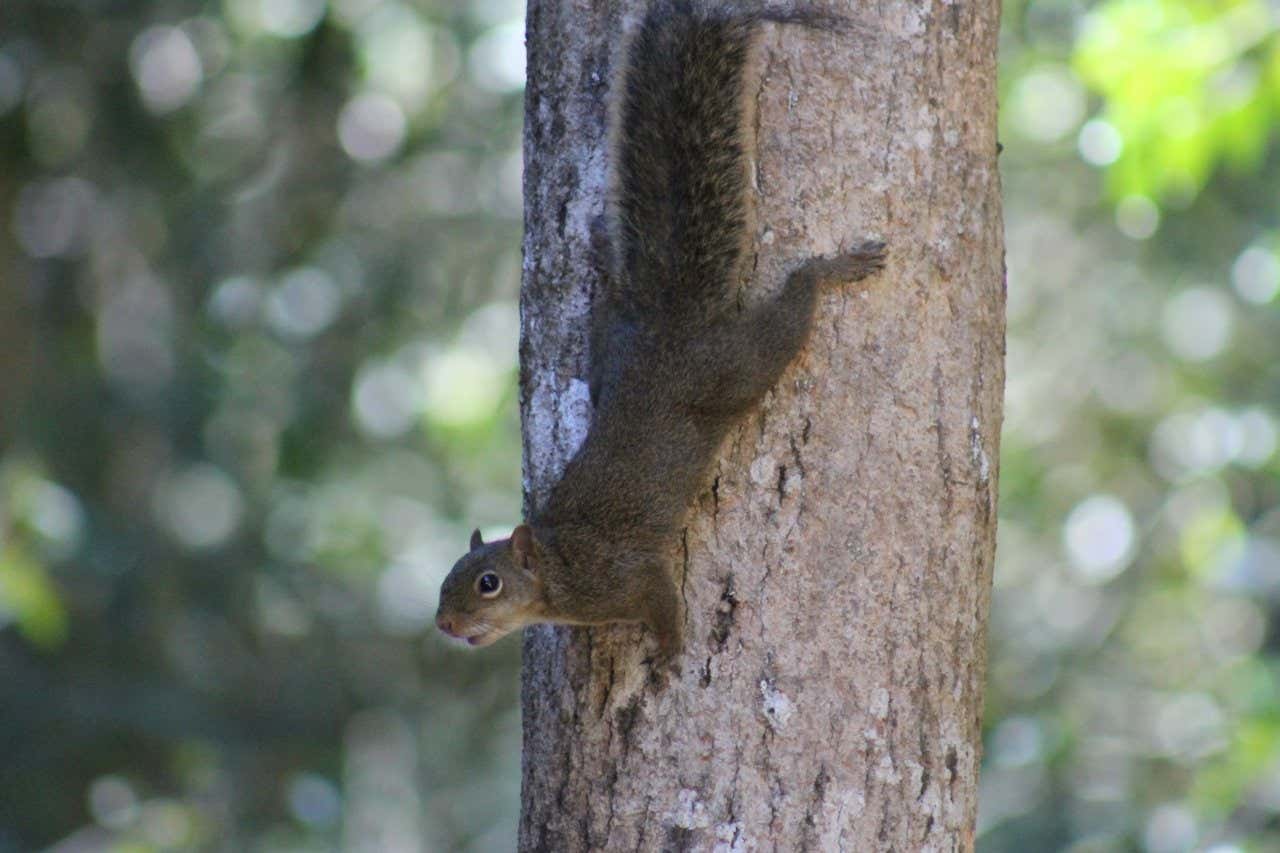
[[1182, 84], [30, 599]]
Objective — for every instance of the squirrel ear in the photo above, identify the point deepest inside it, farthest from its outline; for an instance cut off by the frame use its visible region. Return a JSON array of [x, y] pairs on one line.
[[522, 544], [476, 541]]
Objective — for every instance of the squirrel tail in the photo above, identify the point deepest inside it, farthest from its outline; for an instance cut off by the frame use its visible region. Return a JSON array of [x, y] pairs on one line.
[[682, 149]]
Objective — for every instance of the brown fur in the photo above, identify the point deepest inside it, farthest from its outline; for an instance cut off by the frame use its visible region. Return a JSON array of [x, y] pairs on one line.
[[675, 362]]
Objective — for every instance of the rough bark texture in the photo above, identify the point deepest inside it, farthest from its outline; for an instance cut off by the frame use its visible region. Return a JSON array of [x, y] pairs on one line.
[[837, 569]]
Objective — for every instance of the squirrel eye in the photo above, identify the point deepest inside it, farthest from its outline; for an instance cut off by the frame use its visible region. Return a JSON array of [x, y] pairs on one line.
[[488, 585]]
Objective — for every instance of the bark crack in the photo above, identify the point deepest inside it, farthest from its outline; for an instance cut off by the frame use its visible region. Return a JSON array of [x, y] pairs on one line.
[[940, 432], [814, 807], [726, 612]]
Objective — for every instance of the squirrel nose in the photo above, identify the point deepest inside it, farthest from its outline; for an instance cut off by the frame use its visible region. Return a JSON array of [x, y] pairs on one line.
[[444, 623]]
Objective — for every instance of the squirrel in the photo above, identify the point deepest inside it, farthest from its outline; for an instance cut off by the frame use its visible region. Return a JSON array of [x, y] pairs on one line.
[[675, 362]]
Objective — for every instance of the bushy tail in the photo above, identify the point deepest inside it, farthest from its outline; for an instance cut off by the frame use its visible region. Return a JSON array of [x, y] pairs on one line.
[[681, 148]]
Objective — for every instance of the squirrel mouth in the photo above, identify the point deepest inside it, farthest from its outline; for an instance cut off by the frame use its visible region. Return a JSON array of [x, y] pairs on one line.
[[482, 639], [474, 634]]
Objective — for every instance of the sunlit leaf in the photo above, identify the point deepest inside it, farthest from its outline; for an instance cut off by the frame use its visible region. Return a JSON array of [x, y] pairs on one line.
[[30, 598], [1176, 79]]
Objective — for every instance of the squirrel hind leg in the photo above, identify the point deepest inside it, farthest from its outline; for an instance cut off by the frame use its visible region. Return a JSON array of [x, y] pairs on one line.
[[665, 618]]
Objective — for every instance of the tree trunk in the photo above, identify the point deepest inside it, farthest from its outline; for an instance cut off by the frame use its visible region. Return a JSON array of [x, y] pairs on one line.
[[837, 570]]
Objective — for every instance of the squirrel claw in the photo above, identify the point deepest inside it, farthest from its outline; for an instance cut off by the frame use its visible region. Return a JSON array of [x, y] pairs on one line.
[[664, 668], [872, 251], [860, 262], [667, 662], [864, 260]]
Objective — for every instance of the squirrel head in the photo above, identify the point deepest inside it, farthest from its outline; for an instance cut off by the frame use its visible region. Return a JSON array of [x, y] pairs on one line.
[[493, 590]]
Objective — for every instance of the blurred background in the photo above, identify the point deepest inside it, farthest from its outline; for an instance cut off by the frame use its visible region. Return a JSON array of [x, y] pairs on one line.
[[259, 262]]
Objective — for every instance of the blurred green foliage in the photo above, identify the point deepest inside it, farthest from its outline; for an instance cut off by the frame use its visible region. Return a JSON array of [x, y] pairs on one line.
[[1133, 698], [1188, 87], [260, 261], [258, 325]]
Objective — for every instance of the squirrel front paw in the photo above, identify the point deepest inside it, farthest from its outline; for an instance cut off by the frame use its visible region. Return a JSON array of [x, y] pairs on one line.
[[851, 266]]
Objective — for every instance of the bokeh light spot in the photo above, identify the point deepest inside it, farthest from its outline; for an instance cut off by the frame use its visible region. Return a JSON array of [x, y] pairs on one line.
[[166, 68], [314, 801], [1048, 103], [496, 60], [280, 18], [1197, 323], [53, 512], [1259, 438], [303, 304], [1191, 443], [1189, 727], [1098, 534], [200, 506], [371, 127], [1099, 143], [463, 387], [1017, 741], [236, 302], [408, 592], [1171, 828], [112, 802], [1256, 275], [386, 400], [1137, 217], [495, 11], [291, 18], [494, 328], [394, 46]]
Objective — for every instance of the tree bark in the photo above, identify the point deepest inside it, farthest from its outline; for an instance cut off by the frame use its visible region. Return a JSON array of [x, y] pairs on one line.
[[837, 569]]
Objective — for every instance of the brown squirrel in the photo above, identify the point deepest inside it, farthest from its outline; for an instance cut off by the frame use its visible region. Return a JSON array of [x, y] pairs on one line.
[[675, 362]]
